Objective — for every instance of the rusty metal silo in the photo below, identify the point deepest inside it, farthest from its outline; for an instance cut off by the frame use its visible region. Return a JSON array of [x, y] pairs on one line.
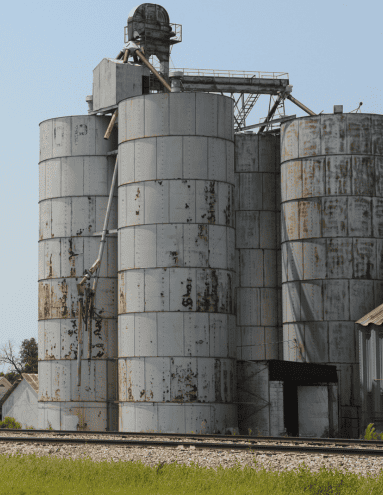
[[257, 227], [75, 177], [332, 230], [176, 263]]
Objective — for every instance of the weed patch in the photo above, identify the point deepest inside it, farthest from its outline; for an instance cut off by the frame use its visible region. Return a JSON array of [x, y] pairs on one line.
[[48, 475]]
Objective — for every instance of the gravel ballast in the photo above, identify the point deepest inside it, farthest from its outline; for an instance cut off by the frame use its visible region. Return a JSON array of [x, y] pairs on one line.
[[153, 456]]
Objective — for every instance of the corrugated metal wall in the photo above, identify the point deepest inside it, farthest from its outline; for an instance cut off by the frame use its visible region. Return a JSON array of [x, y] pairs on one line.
[[332, 242], [176, 263], [75, 178], [371, 375], [258, 256]]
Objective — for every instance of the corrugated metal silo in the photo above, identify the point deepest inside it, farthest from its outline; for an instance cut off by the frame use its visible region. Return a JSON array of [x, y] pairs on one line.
[[332, 230], [257, 205], [75, 178], [176, 263]]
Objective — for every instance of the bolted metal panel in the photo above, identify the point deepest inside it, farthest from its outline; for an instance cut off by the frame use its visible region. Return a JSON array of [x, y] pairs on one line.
[[169, 157], [207, 114], [195, 157], [333, 134], [257, 211], [313, 177], [309, 137], [183, 114], [331, 202], [338, 175], [317, 342], [176, 418], [75, 179], [314, 256], [182, 201], [75, 415], [176, 264]]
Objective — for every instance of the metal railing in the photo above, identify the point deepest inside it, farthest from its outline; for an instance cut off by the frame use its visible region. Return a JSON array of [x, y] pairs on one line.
[[233, 73]]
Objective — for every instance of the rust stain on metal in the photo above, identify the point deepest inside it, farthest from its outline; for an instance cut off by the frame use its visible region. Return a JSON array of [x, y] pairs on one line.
[[217, 380], [101, 351], [364, 257], [50, 267], [72, 258], [225, 388], [44, 301], [121, 297], [174, 256], [207, 301], [61, 306], [227, 302], [300, 351], [184, 386], [309, 211], [138, 193], [49, 357], [202, 232], [130, 395], [211, 200], [97, 317], [228, 210]]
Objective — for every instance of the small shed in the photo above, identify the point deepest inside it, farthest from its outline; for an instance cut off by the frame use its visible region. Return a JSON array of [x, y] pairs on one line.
[[371, 368], [20, 401], [282, 397], [5, 385]]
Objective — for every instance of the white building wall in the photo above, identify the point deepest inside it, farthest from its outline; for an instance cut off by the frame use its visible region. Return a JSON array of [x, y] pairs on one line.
[[22, 405]]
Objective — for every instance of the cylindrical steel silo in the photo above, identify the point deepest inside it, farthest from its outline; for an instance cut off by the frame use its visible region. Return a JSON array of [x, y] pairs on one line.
[[332, 230], [75, 179], [257, 234], [176, 263]]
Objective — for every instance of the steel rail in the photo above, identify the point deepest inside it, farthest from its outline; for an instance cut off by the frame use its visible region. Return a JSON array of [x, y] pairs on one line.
[[250, 447], [232, 438]]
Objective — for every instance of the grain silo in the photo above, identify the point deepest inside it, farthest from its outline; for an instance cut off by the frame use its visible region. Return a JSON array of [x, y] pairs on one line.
[[75, 179], [176, 263], [331, 243], [197, 248], [258, 286], [257, 211]]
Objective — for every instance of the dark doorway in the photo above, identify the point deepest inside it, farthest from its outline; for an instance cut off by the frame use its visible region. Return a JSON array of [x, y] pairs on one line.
[[290, 408]]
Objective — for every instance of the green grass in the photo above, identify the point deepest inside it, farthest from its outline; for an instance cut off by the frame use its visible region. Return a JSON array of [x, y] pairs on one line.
[[49, 475]]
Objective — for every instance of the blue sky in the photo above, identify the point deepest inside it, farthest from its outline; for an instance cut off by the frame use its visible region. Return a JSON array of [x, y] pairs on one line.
[[48, 49]]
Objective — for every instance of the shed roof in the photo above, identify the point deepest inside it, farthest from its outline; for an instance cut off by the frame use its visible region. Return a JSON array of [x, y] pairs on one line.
[[5, 382], [4, 386], [374, 316], [32, 379], [9, 391]]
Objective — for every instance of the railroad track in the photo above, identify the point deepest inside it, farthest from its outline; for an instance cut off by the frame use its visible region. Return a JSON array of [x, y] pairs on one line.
[[233, 443], [232, 438]]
